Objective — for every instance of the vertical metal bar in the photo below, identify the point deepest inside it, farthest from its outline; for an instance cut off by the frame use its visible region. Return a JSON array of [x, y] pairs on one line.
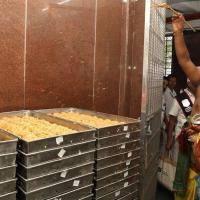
[[25, 50], [94, 62]]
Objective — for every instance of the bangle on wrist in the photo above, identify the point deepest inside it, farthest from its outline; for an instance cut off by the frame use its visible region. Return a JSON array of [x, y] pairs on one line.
[[178, 33]]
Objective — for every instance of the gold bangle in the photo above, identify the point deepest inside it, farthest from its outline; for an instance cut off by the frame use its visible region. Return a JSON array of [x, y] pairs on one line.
[[177, 33]]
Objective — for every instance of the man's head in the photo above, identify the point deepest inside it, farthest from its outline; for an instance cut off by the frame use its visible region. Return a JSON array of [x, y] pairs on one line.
[[171, 81]]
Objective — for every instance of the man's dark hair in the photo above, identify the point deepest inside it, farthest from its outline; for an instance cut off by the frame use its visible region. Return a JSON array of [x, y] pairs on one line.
[[170, 76], [164, 78]]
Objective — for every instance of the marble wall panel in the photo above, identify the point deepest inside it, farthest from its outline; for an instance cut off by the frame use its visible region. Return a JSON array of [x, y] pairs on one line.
[[108, 55], [12, 16], [60, 53]]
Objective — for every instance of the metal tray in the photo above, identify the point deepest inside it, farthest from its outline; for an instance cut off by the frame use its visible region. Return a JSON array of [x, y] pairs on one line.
[[57, 189], [7, 173], [135, 163], [132, 196], [75, 195], [10, 196], [52, 154], [83, 133], [8, 143], [40, 182], [55, 165], [133, 188], [116, 177], [128, 125], [117, 149], [115, 186], [102, 163], [7, 187], [7, 160], [118, 139], [90, 197]]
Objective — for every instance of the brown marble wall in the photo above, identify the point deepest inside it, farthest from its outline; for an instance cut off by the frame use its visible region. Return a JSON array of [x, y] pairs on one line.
[[12, 15], [127, 72], [66, 64], [108, 54], [60, 53], [78, 53], [136, 75]]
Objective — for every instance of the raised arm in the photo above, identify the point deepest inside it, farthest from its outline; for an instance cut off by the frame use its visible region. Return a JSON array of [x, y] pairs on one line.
[[181, 50]]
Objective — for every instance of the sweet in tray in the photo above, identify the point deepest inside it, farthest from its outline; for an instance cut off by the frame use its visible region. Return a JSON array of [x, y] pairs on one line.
[[90, 120], [31, 128]]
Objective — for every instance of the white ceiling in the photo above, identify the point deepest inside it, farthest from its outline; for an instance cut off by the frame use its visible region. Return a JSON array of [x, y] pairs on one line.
[[186, 7]]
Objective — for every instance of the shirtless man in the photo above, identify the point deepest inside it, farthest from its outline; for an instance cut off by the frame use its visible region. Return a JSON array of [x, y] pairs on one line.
[[183, 56], [193, 73]]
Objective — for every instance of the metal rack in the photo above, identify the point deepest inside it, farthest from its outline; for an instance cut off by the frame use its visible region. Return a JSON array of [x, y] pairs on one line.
[[117, 158], [54, 166], [8, 152], [153, 71]]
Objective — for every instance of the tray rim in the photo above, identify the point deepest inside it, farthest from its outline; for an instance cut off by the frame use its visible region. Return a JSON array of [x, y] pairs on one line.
[[120, 172], [54, 160], [13, 140], [138, 157], [130, 142], [138, 149], [34, 178], [8, 154], [136, 182], [90, 174], [132, 193], [15, 192], [119, 190], [101, 114], [11, 166], [55, 148], [9, 181], [30, 112], [52, 198]]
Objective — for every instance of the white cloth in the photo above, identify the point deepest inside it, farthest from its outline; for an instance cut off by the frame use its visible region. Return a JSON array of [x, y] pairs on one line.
[[163, 134], [168, 99], [177, 112], [163, 111]]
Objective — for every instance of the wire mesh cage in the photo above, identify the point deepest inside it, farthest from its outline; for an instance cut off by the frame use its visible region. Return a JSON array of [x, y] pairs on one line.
[[156, 58]]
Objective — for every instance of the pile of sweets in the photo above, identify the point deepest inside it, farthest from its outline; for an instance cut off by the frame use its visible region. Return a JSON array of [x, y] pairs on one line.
[[89, 120], [31, 128]]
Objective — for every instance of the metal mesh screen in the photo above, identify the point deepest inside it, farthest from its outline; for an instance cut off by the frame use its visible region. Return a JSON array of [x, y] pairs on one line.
[[156, 58]]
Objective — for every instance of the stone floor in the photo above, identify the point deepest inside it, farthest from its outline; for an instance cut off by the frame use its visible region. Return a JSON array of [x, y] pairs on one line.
[[163, 194]]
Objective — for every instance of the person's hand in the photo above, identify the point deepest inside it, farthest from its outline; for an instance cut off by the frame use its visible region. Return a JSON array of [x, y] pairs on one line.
[[192, 130], [178, 23], [168, 146]]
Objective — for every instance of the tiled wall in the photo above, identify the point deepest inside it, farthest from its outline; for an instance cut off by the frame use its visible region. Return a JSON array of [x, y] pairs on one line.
[[63, 53]]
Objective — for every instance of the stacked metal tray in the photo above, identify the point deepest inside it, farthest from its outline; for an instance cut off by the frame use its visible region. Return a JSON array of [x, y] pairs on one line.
[[60, 167], [8, 152], [117, 159]]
